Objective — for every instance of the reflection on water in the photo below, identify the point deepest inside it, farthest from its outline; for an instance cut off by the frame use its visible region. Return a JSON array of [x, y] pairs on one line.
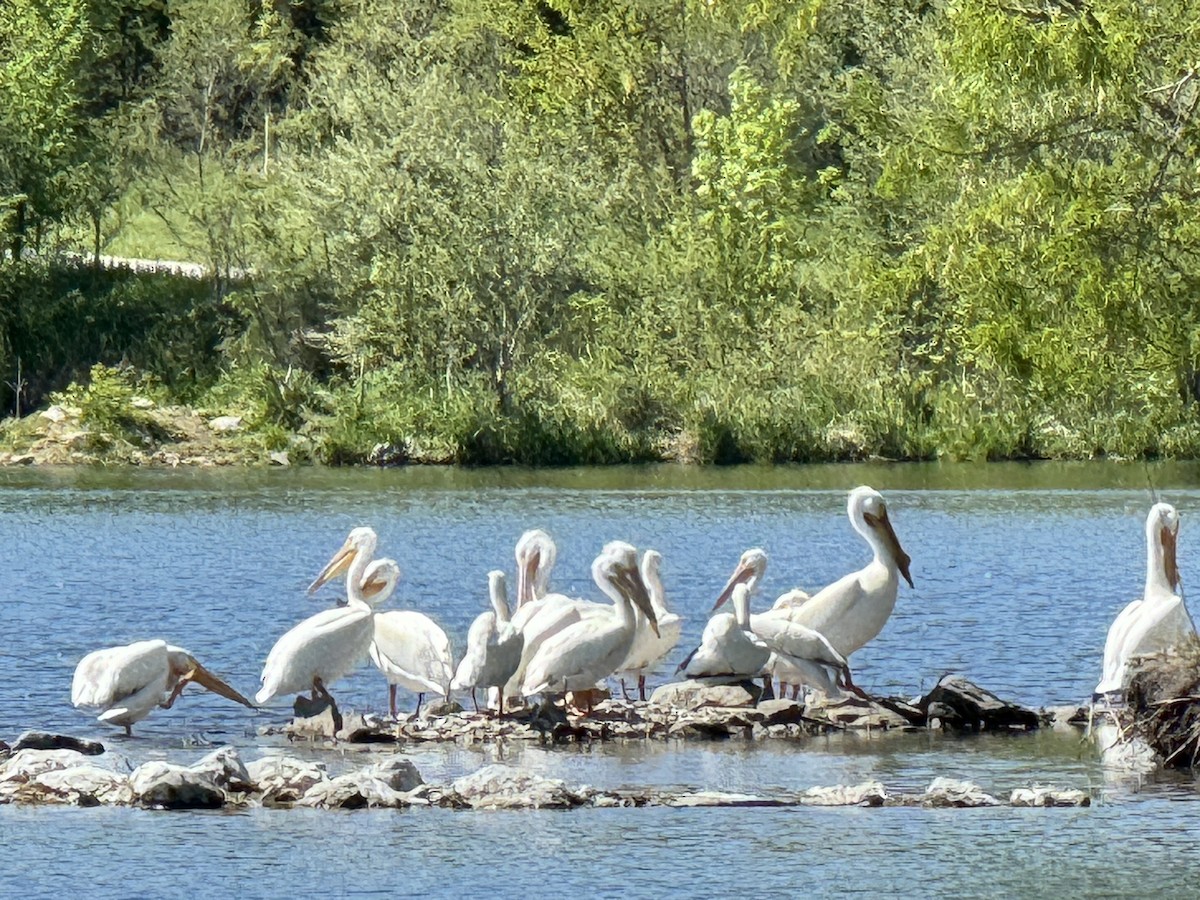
[[1018, 571]]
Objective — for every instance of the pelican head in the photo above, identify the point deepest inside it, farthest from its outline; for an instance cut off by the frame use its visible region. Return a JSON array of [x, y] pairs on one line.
[[498, 593], [868, 514], [535, 553], [1162, 534], [379, 581], [360, 542], [617, 567], [185, 668], [750, 568]]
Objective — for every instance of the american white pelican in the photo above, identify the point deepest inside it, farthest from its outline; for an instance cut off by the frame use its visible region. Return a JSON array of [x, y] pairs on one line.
[[854, 609], [589, 651], [1157, 621], [127, 683], [331, 644], [414, 653], [535, 553], [493, 646], [728, 647], [650, 649]]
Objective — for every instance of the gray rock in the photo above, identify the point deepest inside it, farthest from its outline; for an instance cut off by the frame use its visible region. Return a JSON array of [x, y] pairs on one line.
[[852, 712], [440, 708], [85, 785], [959, 703], [869, 793], [504, 787], [397, 773], [944, 792], [226, 769], [1041, 796], [25, 764], [279, 458], [354, 790], [699, 692], [54, 414], [282, 779], [781, 712], [46, 740], [160, 785]]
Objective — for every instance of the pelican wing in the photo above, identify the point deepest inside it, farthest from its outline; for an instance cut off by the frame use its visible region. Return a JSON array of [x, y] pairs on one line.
[[579, 656], [411, 650], [327, 646], [727, 650], [106, 677]]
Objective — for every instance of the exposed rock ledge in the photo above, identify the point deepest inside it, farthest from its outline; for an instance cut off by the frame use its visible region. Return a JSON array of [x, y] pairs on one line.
[[689, 710], [221, 779]]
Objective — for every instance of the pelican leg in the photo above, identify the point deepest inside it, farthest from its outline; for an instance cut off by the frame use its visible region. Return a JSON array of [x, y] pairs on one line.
[[392, 700], [319, 690], [475, 702], [420, 700], [849, 684], [128, 731], [642, 688], [624, 693], [500, 713], [768, 692]]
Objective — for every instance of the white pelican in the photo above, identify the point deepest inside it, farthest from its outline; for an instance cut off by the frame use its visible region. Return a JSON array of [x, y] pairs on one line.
[[535, 553], [728, 647], [127, 683], [331, 644], [589, 651], [854, 609], [493, 646], [650, 649], [414, 653], [1157, 621]]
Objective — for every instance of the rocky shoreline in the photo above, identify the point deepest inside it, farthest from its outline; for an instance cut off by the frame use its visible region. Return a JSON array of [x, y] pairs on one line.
[[43, 768]]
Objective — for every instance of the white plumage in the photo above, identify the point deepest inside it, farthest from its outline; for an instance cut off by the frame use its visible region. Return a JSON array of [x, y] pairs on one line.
[[414, 653], [728, 648], [650, 649], [126, 683], [493, 645], [1159, 620], [590, 650]]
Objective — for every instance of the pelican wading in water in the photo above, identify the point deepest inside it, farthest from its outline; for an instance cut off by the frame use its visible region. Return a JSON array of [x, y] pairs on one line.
[[650, 648], [331, 644], [728, 648], [493, 646], [127, 683], [1156, 622], [592, 649], [853, 610]]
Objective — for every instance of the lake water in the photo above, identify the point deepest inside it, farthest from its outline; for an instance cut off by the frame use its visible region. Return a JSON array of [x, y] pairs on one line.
[[1018, 572]]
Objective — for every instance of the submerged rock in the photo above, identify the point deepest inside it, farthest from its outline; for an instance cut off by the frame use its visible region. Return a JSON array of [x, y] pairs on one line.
[[953, 792], [720, 798], [85, 785], [25, 764], [397, 773], [1040, 796], [354, 790], [869, 793]]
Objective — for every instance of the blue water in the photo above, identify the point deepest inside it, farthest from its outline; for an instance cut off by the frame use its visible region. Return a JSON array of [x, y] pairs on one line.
[[1018, 572]]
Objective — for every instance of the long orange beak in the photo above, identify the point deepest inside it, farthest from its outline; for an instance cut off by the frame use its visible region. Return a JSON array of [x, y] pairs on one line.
[[336, 566], [207, 679], [884, 526], [741, 575]]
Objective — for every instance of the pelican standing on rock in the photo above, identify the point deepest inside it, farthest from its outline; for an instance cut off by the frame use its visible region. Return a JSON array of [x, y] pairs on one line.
[[331, 644], [1156, 622], [493, 646], [649, 649], [853, 610], [127, 683], [728, 647], [413, 652], [590, 650]]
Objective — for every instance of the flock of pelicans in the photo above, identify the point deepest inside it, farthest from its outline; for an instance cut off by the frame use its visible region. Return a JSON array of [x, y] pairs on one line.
[[557, 645]]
